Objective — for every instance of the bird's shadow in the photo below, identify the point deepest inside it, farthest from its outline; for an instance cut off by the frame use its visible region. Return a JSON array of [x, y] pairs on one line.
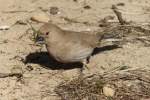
[[47, 61]]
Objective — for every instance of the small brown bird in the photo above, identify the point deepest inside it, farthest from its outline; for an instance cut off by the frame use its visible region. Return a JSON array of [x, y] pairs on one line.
[[68, 46]]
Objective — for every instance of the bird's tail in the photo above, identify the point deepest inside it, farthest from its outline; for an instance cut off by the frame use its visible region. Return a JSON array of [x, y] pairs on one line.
[[109, 39]]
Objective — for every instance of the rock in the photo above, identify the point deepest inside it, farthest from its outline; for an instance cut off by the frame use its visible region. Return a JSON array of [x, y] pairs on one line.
[[54, 10], [108, 91], [4, 27], [121, 4], [87, 7], [40, 17]]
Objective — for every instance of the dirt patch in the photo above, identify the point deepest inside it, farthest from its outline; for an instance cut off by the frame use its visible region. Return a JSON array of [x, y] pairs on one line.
[[128, 84]]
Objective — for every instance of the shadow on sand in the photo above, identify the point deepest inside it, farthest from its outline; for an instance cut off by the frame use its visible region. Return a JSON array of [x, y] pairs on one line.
[[47, 61]]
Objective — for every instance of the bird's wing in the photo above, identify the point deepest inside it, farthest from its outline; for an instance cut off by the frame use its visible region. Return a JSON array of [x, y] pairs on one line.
[[86, 38]]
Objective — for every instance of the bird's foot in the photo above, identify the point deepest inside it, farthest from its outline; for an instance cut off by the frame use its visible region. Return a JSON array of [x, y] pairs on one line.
[[84, 67], [85, 64]]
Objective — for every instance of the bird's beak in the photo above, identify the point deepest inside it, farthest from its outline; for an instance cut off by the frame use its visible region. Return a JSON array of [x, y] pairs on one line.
[[40, 40]]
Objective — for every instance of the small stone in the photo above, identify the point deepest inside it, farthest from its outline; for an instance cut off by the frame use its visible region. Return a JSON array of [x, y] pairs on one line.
[[54, 10], [40, 17], [4, 27], [108, 91], [29, 68], [87, 7], [121, 4]]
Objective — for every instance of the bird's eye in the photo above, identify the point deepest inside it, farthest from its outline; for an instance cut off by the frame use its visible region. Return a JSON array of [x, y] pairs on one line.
[[47, 33]]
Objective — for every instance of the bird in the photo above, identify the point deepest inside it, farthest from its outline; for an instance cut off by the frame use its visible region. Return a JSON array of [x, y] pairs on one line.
[[68, 46]]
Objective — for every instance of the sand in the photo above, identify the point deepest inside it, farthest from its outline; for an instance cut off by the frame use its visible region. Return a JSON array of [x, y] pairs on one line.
[[39, 79]]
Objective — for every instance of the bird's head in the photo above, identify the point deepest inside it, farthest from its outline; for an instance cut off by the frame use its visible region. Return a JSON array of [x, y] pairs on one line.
[[46, 31]]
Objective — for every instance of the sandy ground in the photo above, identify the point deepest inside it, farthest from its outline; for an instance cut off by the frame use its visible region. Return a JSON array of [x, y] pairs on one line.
[[39, 80]]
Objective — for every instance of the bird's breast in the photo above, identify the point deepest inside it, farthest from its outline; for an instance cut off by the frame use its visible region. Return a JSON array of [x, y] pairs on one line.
[[68, 52]]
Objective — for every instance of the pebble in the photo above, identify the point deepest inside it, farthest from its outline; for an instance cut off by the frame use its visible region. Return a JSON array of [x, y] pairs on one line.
[[108, 91], [87, 7], [4, 27], [40, 17], [54, 10]]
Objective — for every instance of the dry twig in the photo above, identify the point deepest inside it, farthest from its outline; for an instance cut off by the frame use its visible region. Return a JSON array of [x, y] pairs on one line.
[[17, 11], [119, 15], [4, 75]]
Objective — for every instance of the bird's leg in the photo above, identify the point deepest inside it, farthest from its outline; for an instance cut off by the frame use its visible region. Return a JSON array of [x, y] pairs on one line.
[[88, 59], [85, 62]]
